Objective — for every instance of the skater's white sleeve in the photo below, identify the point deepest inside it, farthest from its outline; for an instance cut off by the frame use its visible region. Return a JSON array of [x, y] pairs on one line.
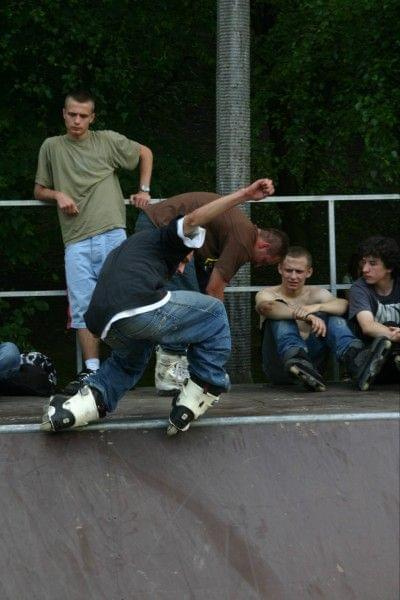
[[197, 236]]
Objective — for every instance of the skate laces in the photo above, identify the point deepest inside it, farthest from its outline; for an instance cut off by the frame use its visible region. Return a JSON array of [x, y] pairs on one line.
[[179, 371]]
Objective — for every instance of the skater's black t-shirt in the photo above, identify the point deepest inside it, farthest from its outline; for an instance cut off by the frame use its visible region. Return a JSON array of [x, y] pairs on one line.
[[135, 273]]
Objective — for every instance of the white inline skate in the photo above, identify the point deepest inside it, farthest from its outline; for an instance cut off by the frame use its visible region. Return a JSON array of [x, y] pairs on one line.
[[67, 412], [171, 372], [188, 405]]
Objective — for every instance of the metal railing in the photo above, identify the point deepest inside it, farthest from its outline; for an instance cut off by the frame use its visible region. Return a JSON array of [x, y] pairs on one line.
[[330, 199]]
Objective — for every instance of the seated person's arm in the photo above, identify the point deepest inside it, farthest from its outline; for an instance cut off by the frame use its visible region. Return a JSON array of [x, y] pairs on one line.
[[372, 328], [216, 284], [271, 307], [325, 302]]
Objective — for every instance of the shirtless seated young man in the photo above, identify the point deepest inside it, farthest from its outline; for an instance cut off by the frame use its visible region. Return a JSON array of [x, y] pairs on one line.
[[301, 323]]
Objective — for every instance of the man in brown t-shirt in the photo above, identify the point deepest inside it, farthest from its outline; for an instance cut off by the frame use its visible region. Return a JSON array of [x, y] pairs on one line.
[[232, 240]]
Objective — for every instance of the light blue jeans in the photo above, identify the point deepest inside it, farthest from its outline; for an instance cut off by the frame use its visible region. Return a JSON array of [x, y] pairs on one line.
[[189, 319], [83, 262], [180, 281], [282, 338], [10, 359]]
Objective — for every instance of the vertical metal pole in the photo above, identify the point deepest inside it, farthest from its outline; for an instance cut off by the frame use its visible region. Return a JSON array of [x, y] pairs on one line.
[[233, 156], [332, 247], [79, 361], [332, 266]]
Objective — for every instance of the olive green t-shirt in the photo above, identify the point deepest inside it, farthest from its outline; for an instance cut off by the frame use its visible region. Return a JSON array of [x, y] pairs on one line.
[[86, 171]]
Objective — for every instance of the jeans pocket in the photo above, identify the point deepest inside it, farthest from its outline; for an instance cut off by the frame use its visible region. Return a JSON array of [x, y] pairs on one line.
[[141, 327]]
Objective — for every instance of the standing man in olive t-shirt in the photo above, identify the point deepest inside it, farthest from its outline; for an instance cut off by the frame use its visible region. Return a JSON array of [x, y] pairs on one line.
[[78, 171]]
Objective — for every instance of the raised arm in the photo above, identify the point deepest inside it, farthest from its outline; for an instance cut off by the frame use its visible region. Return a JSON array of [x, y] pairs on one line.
[[204, 214]]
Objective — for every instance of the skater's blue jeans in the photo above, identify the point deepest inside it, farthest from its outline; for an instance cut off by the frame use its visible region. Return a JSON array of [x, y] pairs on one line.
[[190, 319], [180, 281], [10, 359], [282, 337]]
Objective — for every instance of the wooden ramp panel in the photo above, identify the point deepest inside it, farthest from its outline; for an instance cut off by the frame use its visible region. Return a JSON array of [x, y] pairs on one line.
[[270, 512]]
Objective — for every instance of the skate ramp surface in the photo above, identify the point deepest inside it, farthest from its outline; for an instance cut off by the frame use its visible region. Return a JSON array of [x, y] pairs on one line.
[[257, 511]]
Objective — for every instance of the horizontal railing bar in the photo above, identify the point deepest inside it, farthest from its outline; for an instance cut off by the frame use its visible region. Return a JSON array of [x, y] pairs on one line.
[[129, 424], [239, 288], [277, 199], [26, 293]]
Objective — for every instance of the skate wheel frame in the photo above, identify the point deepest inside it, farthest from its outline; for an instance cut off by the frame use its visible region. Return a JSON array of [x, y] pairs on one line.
[[307, 379], [172, 430], [46, 426]]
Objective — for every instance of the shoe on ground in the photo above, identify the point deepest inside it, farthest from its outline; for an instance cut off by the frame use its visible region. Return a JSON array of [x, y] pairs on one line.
[[301, 368], [74, 386], [365, 364], [171, 372]]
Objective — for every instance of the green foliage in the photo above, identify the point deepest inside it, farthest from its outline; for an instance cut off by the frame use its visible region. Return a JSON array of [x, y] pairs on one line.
[[15, 328], [151, 69], [326, 115], [148, 65]]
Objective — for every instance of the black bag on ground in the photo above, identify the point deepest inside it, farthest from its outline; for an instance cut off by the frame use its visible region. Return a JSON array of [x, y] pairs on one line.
[[36, 377]]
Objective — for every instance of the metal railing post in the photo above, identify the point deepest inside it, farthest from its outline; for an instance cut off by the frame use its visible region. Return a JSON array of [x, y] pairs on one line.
[[79, 361], [332, 246], [332, 267]]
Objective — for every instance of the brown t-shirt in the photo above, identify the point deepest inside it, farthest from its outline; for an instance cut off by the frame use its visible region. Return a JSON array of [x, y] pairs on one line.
[[230, 238]]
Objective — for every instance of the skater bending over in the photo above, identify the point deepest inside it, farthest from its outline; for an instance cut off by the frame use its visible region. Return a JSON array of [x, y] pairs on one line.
[[132, 311], [302, 323], [231, 241]]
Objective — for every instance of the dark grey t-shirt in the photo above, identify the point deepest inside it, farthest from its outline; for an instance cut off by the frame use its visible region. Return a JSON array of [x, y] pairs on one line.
[[384, 308]]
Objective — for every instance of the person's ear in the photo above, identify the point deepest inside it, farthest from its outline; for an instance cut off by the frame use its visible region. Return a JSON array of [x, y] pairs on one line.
[[309, 272], [92, 117]]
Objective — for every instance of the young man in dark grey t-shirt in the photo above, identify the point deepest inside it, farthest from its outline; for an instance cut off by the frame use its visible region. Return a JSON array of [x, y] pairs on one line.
[[132, 310], [374, 302]]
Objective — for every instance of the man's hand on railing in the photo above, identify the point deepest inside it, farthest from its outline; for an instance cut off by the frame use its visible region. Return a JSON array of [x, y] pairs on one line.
[[66, 204], [140, 199]]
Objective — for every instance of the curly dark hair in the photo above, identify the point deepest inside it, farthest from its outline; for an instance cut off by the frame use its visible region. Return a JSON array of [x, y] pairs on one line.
[[385, 248]]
